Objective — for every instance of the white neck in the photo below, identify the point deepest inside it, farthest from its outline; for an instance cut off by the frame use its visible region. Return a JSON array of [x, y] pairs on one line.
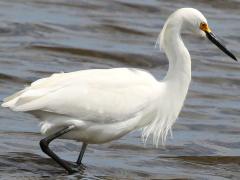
[[175, 85], [173, 89], [179, 72], [178, 56]]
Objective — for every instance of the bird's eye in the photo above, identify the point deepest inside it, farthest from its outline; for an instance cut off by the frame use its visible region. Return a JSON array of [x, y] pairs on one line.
[[203, 26]]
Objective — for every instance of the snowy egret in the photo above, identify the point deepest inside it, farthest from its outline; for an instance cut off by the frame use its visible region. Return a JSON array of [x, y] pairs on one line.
[[101, 105]]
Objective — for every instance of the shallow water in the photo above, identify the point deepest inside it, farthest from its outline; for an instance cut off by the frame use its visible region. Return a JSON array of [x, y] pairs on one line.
[[39, 38]]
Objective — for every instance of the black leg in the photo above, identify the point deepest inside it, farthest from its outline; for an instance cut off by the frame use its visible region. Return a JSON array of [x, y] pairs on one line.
[[84, 146], [44, 144]]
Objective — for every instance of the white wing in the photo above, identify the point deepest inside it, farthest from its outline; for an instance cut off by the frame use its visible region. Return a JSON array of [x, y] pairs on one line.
[[102, 95]]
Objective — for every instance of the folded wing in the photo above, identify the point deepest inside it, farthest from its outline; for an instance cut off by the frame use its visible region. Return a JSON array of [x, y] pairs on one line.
[[91, 95]]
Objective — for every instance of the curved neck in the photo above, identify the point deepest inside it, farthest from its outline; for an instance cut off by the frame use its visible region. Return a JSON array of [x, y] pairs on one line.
[[178, 56]]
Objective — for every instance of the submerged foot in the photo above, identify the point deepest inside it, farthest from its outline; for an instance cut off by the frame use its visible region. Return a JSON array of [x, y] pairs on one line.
[[81, 166], [76, 168], [73, 171]]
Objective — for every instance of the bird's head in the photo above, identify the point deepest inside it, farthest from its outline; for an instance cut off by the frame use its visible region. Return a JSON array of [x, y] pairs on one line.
[[192, 20]]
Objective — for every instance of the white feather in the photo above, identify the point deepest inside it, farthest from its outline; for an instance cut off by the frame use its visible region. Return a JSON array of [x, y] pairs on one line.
[[105, 104]]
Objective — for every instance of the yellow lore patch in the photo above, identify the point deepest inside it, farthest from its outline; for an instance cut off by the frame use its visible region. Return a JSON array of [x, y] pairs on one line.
[[204, 27]]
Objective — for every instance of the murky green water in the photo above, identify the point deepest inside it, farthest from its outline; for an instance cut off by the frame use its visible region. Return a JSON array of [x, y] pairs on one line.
[[40, 37]]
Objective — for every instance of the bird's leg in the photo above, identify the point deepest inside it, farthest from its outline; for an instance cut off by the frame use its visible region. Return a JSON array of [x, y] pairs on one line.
[[84, 146], [44, 144]]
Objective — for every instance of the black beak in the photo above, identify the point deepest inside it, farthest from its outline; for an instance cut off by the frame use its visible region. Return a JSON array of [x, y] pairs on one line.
[[214, 39]]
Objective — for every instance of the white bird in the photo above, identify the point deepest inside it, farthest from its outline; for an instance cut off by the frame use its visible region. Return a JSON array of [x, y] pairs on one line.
[[100, 105]]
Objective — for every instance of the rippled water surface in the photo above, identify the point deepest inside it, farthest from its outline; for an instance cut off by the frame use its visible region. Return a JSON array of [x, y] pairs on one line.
[[41, 37]]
